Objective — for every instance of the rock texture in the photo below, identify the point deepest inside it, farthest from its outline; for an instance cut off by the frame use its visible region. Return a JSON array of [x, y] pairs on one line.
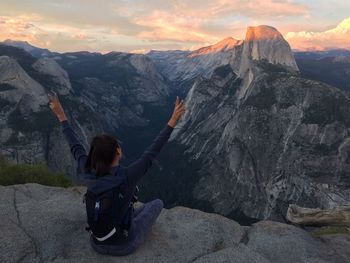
[[41, 224]]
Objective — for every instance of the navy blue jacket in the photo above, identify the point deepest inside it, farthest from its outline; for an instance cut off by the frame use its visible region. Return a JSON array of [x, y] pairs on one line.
[[119, 175]]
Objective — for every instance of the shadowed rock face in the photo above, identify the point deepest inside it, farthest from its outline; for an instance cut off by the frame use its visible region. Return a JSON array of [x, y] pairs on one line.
[[255, 140], [41, 224]]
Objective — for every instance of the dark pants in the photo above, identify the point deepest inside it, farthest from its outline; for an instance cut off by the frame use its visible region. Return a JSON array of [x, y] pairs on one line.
[[144, 218]]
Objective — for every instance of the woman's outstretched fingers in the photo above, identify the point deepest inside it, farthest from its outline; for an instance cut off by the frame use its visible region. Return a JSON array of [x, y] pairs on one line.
[[179, 109], [56, 106]]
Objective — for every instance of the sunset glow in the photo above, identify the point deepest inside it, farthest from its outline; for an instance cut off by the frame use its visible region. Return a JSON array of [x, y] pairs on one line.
[[134, 25]]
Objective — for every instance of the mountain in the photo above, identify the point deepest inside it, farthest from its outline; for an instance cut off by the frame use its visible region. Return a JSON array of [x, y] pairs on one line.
[[222, 46], [183, 67], [322, 54], [34, 51], [266, 43], [257, 136], [116, 93], [331, 67], [47, 224]]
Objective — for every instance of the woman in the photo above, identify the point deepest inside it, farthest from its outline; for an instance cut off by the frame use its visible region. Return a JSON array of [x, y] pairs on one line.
[[101, 171]]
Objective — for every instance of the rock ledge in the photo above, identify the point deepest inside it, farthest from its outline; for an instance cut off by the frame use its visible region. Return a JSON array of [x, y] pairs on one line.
[[41, 224]]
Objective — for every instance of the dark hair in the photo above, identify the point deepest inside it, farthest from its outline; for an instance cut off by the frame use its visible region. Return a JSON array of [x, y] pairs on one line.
[[102, 151]]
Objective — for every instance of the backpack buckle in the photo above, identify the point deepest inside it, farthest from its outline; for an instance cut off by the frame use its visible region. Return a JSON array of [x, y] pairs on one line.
[[97, 209]]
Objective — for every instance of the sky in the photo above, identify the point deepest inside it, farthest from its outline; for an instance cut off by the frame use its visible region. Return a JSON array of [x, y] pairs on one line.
[[139, 26]]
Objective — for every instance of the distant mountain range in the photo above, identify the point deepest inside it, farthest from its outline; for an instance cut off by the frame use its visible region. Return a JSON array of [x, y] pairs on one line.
[[329, 66], [261, 130]]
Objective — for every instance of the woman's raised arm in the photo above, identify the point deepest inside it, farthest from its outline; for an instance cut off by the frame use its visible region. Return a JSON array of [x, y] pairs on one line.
[[76, 148]]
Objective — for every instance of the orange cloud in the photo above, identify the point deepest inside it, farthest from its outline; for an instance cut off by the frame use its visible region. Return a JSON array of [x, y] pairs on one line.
[[171, 27], [36, 31], [338, 37], [80, 36], [21, 28], [259, 9], [197, 21]]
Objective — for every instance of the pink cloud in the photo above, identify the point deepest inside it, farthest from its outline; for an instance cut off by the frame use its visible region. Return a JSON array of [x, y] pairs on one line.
[[338, 37], [194, 21], [165, 26], [21, 28], [80, 36], [259, 9], [38, 32]]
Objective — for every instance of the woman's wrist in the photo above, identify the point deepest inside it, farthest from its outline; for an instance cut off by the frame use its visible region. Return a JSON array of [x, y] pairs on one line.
[[62, 117], [172, 122]]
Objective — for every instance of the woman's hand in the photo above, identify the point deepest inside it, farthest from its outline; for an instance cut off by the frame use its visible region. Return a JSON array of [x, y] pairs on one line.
[[56, 106], [177, 113]]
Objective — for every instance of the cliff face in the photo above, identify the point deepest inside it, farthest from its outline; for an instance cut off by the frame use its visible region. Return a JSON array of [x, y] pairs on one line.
[[254, 140], [41, 224], [18, 86]]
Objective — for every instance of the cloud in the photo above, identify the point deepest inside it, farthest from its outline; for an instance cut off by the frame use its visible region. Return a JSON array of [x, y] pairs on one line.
[[337, 37], [22, 28], [205, 21], [126, 25], [165, 26], [259, 9], [36, 31]]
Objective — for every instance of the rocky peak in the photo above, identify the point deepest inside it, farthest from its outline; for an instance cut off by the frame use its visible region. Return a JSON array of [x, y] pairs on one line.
[[34, 51], [23, 44], [266, 43], [257, 33], [224, 45]]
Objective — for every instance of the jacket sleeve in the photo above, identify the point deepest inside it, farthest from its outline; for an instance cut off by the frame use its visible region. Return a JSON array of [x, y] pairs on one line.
[[138, 168], [76, 148]]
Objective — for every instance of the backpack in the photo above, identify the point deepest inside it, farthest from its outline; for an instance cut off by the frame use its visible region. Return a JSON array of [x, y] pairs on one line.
[[108, 213]]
